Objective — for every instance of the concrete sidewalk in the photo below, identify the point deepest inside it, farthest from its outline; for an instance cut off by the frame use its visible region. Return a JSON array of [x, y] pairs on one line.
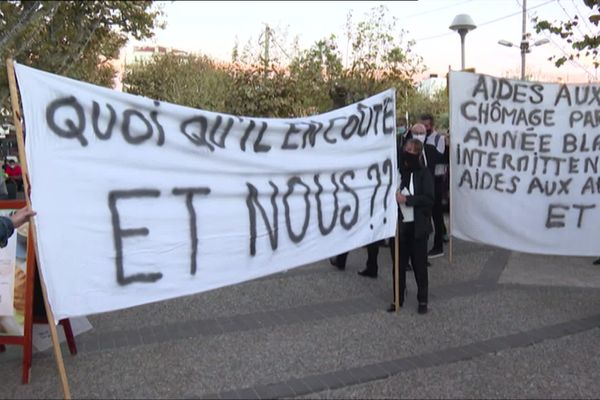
[[501, 324]]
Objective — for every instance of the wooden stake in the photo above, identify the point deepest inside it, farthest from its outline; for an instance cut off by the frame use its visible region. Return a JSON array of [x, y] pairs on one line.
[[14, 98], [397, 267], [450, 241]]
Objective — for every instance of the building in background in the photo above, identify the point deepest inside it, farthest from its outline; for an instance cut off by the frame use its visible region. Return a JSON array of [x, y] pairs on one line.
[[146, 52], [132, 55], [432, 85]]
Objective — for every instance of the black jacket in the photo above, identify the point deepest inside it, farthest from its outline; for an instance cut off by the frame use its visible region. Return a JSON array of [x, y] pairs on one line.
[[6, 230], [422, 201]]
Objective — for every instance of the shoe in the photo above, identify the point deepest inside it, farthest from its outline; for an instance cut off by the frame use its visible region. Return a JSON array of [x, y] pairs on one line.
[[422, 309], [333, 261], [597, 262], [435, 253], [367, 273], [392, 307]]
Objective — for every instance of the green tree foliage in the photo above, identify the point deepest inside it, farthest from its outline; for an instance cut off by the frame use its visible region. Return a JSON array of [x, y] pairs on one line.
[[379, 57], [315, 71], [194, 81], [260, 92], [72, 38], [571, 31], [436, 104], [253, 85]]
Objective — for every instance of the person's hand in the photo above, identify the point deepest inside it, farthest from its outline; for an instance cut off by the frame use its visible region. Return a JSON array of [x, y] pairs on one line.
[[400, 198], [22, 216]]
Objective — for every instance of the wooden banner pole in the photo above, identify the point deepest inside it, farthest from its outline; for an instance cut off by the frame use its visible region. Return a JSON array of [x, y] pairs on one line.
[[450, 239], [14, 98], [397, 267]]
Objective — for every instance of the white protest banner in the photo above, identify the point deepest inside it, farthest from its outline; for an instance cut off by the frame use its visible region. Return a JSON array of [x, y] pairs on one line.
[[525, 164], [140, 200]]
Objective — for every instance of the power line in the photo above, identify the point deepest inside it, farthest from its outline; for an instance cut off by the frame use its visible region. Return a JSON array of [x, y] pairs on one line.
[[487, 22], [519, 4], [567, 55], [517, 13], [434, 10], [280, 48], [582, 17], [569, 18]]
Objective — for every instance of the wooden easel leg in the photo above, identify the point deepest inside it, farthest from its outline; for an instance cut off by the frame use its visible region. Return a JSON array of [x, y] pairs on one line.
[[27, 358], [66, 324]]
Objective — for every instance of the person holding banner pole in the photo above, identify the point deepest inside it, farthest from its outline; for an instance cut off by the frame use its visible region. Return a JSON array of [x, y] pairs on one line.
[[8, 224], [429, 156], [439, 171], [415, 197]]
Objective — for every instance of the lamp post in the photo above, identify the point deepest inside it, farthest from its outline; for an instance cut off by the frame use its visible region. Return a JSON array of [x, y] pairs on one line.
[[462, 24], [524, 46]]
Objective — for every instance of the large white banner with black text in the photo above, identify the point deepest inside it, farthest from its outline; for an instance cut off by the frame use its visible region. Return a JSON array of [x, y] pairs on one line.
[[140, 200], [525, 164]]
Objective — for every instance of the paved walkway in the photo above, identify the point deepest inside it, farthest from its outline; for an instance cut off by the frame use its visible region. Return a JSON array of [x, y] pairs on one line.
[[501, 324]]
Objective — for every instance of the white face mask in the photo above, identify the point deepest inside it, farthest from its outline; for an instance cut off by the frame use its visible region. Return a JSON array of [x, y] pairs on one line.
[[420, 138]]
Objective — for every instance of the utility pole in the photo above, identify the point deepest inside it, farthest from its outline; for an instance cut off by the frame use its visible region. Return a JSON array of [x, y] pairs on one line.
[[267, 40], [525, 45], [524, 41]]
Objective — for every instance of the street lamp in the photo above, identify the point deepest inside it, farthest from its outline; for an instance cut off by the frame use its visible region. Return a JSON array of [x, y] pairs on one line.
[[462, 24], [536, 43], [524, 46]]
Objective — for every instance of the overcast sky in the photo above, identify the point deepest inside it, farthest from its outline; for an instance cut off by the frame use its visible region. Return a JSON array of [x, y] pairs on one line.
[[212, 28]]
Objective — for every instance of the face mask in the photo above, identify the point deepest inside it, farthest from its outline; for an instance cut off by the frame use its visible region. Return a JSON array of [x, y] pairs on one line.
[[401, 130], [411, 161], [420, 138]]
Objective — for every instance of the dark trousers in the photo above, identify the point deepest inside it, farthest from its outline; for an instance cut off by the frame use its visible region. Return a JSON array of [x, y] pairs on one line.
[[415, 250], [438, 214], [12, 188], [372, 253]]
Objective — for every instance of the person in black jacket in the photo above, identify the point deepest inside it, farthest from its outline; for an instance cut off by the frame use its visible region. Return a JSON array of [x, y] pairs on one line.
[[415, 197], [430, 156]]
